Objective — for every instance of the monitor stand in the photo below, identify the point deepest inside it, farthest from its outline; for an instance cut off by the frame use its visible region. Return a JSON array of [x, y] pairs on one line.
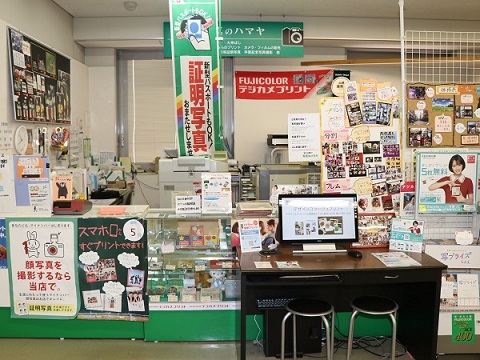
[[320, 248]]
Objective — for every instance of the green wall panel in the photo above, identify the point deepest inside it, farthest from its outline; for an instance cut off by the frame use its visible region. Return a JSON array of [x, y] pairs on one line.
[[42, 328]]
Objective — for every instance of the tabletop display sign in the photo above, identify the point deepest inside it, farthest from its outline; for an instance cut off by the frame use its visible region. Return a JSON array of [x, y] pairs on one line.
[[250, 237], [216, 193], [112, 269], [40, 81], [407, 235], [188, 204], [42, 268], [373, 230], [446, 182]]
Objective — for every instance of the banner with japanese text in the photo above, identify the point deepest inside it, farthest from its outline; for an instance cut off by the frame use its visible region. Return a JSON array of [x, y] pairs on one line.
[[195, 50], [42, 268], [282, 85], [112, 269]]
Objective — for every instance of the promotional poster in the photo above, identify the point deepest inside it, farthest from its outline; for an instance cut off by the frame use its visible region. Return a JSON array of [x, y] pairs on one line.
[[446, 182]]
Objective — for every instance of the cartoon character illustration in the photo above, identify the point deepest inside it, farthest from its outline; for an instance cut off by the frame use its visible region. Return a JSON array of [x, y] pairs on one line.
[[22, 308], [195, 29], [31, 245], [62, 189], [218, 279]]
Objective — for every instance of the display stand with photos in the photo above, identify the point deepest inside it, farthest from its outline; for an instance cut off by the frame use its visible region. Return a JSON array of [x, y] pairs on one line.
[[374, 230], [40, 81], [193, 275]]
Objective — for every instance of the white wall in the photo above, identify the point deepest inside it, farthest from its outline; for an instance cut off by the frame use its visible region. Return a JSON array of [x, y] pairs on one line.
[[103, 99]]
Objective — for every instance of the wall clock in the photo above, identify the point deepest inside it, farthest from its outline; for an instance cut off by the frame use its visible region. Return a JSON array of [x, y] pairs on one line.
[[21, 140]]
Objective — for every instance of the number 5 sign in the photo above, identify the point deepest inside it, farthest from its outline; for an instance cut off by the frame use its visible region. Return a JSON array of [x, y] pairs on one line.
[[133, 230]]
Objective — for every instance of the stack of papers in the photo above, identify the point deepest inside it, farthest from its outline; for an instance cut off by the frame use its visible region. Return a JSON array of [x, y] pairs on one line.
[[254, 208]]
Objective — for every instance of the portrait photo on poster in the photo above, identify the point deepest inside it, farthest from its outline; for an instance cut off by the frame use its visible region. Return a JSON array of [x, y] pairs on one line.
[[446, 182]]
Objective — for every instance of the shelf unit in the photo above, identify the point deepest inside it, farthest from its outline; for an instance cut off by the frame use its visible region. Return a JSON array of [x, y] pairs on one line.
[[193, 277]]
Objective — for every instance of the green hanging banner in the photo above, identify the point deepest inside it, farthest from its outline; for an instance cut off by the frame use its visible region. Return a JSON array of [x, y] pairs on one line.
[[194, 34]]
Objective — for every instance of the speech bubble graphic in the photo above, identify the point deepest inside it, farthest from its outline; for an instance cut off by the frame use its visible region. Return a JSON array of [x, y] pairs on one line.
[[89, 257], [363, 186], [113, 288], [128, 260], [361, 134]]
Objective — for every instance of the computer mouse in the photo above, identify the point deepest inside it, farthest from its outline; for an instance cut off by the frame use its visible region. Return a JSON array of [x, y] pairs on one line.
[[355, 254]]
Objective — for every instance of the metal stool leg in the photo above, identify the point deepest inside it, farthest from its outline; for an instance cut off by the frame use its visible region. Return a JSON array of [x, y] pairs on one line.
[[328, 337], [282, 350], [394, 334], [294, 333], [351, 330]]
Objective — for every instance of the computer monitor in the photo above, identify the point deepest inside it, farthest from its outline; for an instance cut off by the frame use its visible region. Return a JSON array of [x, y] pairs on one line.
[[329, 220]]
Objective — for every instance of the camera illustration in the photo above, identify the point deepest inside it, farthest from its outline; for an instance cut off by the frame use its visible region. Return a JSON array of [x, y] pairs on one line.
[[53, 248], [292, 36]]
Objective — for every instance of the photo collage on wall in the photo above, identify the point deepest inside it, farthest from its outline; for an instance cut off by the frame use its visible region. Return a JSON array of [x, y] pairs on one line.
[[443, 115], [361, 152], [40, 81]]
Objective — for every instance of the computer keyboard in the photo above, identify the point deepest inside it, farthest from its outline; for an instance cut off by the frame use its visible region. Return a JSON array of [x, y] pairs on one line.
[[273, 303]]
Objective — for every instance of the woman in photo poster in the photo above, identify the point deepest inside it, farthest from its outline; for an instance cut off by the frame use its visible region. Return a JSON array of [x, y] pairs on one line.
[[457, 187]]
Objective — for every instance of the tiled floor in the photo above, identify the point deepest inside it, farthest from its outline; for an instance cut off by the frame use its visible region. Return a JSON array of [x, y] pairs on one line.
[[84, 349]]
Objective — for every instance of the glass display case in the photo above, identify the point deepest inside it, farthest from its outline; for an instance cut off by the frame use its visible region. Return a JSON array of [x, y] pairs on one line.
[[190, 260]]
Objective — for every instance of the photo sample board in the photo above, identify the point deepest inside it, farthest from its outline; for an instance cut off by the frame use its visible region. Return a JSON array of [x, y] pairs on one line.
[[443, 115], [40, 81]]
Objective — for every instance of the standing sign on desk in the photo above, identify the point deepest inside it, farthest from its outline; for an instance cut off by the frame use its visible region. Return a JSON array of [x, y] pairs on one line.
[[407, 235], [250, 238]]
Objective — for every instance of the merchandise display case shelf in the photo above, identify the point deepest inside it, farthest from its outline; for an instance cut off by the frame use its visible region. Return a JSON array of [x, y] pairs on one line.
[[191, 264]]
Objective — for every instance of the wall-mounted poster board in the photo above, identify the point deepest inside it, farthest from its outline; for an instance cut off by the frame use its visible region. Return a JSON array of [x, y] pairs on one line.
[[40, 79], [360, 139], [443, 115]]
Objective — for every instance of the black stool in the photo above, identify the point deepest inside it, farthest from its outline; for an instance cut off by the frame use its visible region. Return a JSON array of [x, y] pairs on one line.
[[309, 308], [377, 306]]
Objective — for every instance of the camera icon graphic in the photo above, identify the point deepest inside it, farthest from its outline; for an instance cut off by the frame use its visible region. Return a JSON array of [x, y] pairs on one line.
[[53, 248], [292, 36]]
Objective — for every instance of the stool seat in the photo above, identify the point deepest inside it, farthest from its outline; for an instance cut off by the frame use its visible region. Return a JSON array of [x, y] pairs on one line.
[[377, 306], [374, 305], [309, 307]]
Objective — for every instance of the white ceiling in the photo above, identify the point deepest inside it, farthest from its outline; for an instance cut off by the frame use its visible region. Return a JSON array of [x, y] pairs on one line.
[[413, 9]]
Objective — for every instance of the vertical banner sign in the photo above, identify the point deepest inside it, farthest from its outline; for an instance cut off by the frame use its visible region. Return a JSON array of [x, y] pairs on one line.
[[195, 50], [112, 269], [43, 281]]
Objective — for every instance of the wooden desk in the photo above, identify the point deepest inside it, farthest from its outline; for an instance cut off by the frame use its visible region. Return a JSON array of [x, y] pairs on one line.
[[338, 278]]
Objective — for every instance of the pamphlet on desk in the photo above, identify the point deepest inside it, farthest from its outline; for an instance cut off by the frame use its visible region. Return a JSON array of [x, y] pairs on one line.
[[396, 259]]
